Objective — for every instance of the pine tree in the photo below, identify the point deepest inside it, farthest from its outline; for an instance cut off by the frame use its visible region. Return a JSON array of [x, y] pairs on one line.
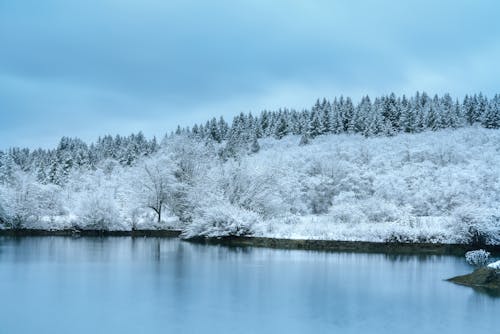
[[491, 117], [314, 128], [447, 112], [360, 118], [374, 120], [281, 128], [468, 107], [346, 112], [336, 117], [432, 119], [408, 118], [295, 124], [223, 128], [326, 124], [391, 113], [423, 106], [264, 123], [481, 107], [213, 131]]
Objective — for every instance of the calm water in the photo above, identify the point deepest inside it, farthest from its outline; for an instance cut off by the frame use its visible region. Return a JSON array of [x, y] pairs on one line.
[[124, 285]]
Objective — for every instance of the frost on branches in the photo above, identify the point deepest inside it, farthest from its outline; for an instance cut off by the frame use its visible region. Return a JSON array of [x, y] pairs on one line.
[[416, 169], [477, 258]]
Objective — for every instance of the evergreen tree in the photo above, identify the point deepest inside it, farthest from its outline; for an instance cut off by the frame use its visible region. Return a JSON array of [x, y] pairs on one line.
[[346, 112], [178, 131], [491, 117], [481, 107], [360, 118], [281, 128], [469, 109], [223, 128], [408, 118], [336, 117], [326, 123], [314, 128], [448, 119], [213, 131], [433, 119], [391, 113], [265, 123]]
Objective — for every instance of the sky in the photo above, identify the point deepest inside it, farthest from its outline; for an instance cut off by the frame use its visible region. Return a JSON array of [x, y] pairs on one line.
[[95, 67]]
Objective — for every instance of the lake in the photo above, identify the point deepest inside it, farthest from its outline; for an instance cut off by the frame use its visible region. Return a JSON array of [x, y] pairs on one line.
[[162, 285]]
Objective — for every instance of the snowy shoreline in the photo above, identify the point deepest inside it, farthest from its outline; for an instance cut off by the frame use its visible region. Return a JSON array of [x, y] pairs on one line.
[[355, 246]]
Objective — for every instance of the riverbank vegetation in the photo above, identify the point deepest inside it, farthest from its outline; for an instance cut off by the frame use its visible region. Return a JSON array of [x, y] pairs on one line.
[[416, 169]]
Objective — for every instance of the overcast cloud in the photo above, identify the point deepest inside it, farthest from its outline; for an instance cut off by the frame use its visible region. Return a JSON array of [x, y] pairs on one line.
[[88, 68]]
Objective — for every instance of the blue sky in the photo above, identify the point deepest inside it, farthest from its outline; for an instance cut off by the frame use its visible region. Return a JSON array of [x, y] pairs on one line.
[[87, 68]]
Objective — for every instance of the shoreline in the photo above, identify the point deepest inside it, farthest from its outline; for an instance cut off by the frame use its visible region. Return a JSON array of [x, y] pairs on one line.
[[348, 246], [263, 242], [89, 233]]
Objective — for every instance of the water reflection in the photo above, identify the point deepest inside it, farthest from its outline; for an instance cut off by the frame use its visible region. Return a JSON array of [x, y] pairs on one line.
[[127, 285]]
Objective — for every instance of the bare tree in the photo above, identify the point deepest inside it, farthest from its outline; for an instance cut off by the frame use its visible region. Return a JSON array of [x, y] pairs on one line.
[[158, 182]]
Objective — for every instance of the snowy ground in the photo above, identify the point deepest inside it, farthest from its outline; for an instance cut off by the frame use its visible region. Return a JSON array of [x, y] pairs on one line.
[[424, 229]]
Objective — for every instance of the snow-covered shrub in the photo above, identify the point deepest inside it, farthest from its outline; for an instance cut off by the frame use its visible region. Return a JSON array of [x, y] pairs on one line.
[[221, 221], [25, 207], [477, 257], [319, 194], [98, 213], [477, 225], [378, 210], [345, 209], [49, 200], [253, 188], [494, 265]]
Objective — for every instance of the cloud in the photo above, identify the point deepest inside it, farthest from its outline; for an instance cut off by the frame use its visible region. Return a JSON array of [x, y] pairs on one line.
[[95, 67]]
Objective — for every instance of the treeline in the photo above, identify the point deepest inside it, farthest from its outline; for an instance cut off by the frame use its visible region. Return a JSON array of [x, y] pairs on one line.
[[383, 116], [386, 115], [54, 165]]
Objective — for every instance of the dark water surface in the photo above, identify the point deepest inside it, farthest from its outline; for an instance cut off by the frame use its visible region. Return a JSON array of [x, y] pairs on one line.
[[148, 285]]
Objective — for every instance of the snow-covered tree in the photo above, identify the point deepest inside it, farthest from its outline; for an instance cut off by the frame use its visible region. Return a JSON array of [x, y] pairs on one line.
[[281, 129], [158, 182], [491, 117]]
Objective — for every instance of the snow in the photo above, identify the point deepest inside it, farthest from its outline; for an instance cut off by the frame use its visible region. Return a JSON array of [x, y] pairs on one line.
[[477, 257], [436, 186], [494, 265], [429, 229]]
